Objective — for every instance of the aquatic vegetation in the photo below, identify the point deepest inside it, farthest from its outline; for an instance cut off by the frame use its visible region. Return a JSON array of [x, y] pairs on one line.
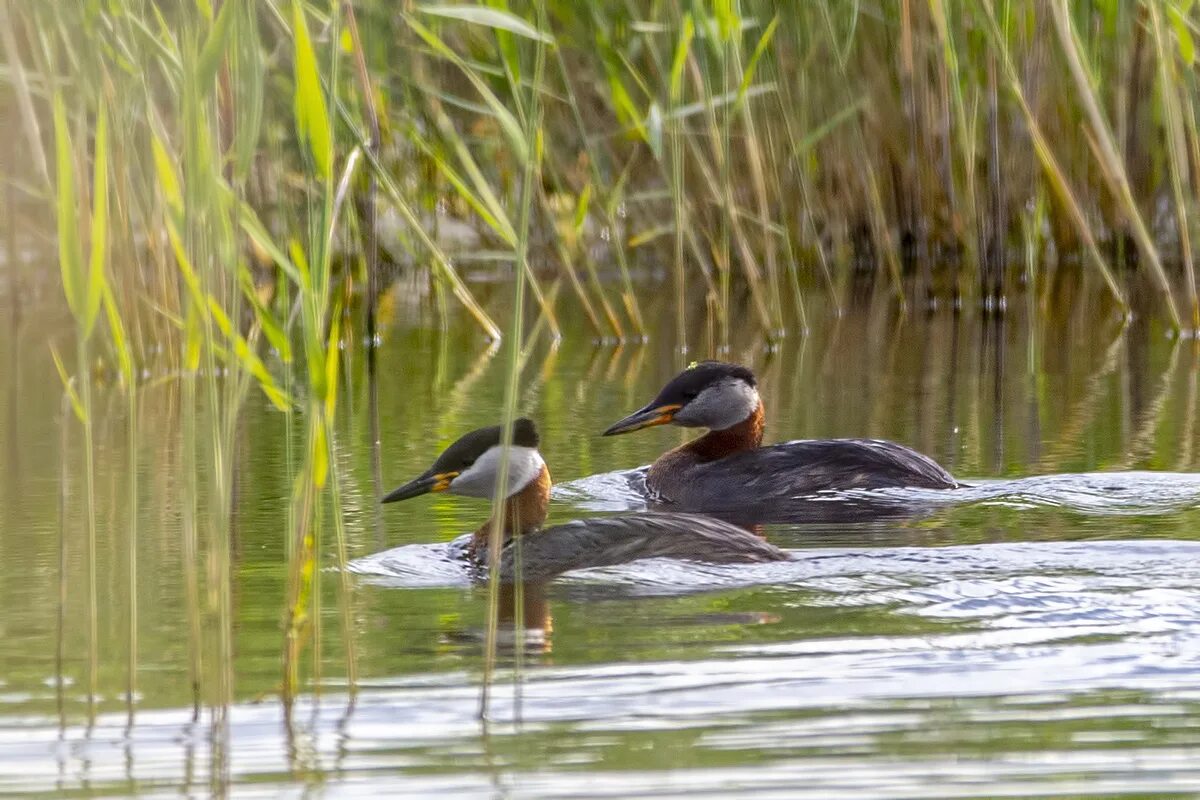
[[242, 192], [706, 137]]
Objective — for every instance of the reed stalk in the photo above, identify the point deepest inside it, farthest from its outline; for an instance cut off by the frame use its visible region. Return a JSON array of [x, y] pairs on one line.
[[909, 69], [960, 131], [1054, 173], [189, 549], [529, 190], [683, 45], [83, 285], [19, 79], [1168, 83], [1111, 163], [628, 296], [68, 407], [370, 220]]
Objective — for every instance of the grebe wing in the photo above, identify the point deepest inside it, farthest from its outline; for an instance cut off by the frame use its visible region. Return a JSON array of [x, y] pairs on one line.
[[608, 541], [805, 466]]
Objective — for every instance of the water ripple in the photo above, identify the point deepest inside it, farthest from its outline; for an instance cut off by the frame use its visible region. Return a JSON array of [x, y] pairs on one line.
[[1112, 493], [1010, 641]]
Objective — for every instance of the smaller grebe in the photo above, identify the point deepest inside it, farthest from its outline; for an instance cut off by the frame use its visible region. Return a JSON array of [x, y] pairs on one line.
[[727, 468], [471, 467]]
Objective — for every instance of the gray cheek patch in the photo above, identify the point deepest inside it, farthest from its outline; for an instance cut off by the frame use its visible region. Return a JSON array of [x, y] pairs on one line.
[[720, 406], [479, 480]]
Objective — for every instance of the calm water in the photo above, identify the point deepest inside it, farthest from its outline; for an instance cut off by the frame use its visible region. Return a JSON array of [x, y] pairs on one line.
[[1038, 637]]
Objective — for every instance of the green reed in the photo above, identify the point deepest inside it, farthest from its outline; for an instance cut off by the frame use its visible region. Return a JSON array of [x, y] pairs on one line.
[[202, 134], [84, 289], [752, 151], [530, 111]]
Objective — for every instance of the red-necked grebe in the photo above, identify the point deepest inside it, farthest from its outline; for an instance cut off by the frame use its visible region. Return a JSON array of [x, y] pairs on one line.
[[727, 467], [471, 467]]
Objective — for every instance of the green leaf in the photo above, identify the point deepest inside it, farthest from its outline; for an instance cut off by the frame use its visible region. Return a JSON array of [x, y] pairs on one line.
[[626, 110], [319, 454], [486, 205], [69, 386], [312, 118], [96, 279], [253, 228], [508, 123], [443, 269], [581, 207], [214, 45], [120, 340], [332, 353], [310, 327], [168, 182], [304, 281], [248, 81], [190, 278], [193, 348], [247, 357], [1187, 45], [728, 22], [649, 235], [682, 47], [764, 41], [70, 251], [490, 18], [266, 320]]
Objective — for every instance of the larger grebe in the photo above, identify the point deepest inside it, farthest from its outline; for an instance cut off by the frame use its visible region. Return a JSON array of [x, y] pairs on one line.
[[727, 468], [471, 467]]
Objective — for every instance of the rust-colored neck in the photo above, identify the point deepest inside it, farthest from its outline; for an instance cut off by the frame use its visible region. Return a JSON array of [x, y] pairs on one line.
[[524, 512], [746, 435]]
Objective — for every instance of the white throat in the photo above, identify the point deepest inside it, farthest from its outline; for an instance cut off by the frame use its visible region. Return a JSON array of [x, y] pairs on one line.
[[524, 465]]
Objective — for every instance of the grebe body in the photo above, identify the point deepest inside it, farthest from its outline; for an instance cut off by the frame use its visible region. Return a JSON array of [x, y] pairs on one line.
[[728, 467], [471, 467]]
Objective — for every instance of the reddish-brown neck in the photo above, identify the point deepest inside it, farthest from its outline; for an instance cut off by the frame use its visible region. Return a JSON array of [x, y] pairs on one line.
[[746, 435], [524, 512]]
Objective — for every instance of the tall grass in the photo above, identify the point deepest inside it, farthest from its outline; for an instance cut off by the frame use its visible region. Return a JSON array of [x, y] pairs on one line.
[[672, 145], [241, 156], [530, 110]]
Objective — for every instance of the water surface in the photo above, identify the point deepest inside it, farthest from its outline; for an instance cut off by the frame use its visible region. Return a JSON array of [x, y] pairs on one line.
[[1036, 636]]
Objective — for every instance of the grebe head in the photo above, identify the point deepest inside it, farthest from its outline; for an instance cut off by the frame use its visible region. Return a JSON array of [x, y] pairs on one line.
[[709, 394], [471, 465]]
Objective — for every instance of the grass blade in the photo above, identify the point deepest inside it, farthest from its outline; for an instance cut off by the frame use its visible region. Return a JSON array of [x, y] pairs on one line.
[[496, 18], [312, 118], [96, 280], [70, 251], [1113, 167]]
